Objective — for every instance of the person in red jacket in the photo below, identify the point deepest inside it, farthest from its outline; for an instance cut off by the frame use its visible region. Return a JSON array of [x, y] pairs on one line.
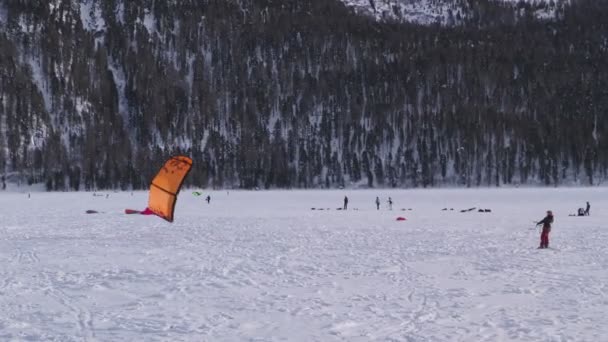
[[544, 236]]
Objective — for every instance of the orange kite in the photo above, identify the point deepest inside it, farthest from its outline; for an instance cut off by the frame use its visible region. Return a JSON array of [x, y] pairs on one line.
[[165, 187]]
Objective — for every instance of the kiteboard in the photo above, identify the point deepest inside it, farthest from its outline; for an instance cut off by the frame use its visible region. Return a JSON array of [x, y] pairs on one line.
[[550, 248]]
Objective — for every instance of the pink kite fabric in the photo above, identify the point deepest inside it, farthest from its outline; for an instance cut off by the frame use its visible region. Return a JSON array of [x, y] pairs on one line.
[[147, 211]]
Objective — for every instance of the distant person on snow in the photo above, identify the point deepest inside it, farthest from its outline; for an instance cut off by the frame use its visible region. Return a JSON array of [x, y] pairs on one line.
[[587, 210], [377, 203], [544, 236], [208, 199], [345, 202], [390, 203]]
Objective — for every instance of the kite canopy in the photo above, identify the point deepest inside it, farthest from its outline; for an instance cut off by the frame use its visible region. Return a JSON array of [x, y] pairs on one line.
[[166, 185]]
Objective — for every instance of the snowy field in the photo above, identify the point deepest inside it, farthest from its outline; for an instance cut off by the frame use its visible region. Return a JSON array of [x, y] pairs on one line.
[[262, 266]]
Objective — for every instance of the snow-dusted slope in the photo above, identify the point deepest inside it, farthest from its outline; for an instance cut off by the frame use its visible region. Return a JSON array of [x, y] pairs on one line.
[[96, 94], [418, 11], [261, 266], [442, 11]]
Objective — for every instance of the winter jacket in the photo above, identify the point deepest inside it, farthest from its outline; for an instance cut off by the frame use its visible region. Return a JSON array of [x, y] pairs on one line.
[[546, 222]]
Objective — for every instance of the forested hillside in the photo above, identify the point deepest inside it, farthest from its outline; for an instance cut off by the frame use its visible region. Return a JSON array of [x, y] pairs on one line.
[[300, 93], [453, 12]]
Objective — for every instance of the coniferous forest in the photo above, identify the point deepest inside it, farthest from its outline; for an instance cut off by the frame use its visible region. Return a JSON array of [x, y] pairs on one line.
[[96, 94]]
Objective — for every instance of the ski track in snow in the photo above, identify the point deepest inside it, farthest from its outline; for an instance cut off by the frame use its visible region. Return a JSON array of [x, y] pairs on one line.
[[262, 266]]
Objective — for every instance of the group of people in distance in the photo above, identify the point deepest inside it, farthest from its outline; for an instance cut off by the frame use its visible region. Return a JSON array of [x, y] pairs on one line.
[[390, 203], [546, 222], [584, 212]]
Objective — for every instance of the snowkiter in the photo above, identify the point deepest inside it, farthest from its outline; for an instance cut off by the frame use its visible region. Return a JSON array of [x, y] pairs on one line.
[[587, 209], [345, 202], [208, 199], [544, 236], [390, 203], [377, 203]]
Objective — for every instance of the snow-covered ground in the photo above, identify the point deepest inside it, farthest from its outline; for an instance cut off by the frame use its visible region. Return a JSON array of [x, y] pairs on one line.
[[262, 266]]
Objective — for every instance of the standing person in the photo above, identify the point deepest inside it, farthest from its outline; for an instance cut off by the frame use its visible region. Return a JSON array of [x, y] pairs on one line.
[[390, 203], [544, 236], [208, 199], [377, 203], [587, 209], [345, 202]]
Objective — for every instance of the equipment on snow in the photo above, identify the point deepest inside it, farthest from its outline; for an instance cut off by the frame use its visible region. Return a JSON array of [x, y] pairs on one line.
[[165, 187], [146, 211]]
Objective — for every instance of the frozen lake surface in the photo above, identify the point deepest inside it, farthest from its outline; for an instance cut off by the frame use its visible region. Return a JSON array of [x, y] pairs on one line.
[[263, 266]]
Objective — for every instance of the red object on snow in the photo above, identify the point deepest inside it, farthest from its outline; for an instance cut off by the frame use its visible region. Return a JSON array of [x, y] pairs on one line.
[[401, 218], [147, 211], [132, 211]]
